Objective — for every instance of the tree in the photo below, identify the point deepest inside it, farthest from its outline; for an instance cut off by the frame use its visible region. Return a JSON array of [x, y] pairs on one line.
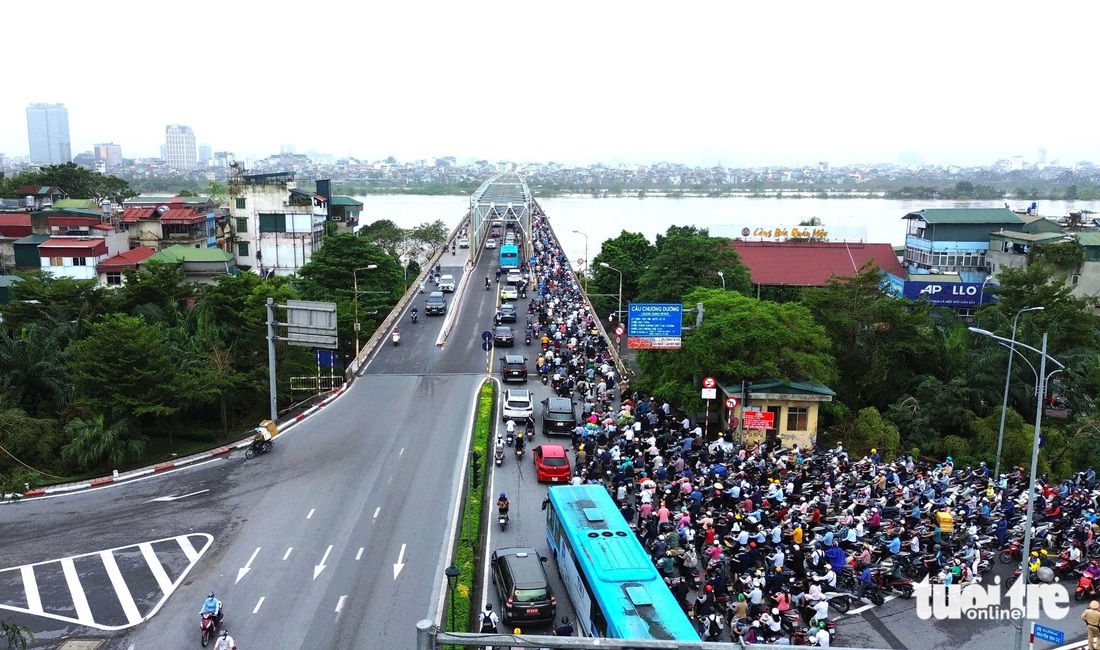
[[32, 367], [53, 302], [869, 430], [159, 291], [386, 235], [76, 181], [122, 368], [630, 253], [740, 339], [688, 258], [430, 235], [17, 636], [94, 441]]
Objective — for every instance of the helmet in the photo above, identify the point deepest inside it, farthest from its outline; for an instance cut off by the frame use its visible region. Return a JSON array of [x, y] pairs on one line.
[[1034, 554], [225, 633], [822, 624], [502, 496], [1044, 552], [210, 595], [517, 631]]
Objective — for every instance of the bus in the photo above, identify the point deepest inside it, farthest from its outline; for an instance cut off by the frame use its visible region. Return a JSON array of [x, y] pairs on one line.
[[615, 588], [509, 256]]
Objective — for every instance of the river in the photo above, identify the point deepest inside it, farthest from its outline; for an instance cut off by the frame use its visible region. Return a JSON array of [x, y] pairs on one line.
[[869, 220]]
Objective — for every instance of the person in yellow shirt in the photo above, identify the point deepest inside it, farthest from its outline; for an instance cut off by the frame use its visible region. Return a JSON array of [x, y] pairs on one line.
[[796, 534], [945, 521]]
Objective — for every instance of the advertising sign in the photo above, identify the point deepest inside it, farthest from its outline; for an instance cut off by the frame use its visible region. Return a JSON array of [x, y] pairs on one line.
[[654, 326], [759, 420], [947, 294]]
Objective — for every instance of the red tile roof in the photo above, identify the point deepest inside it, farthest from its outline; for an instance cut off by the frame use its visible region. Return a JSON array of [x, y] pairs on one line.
[[811, 264], [15, 224], [182, 216], [133, 215], [64, 246], [128, 260]]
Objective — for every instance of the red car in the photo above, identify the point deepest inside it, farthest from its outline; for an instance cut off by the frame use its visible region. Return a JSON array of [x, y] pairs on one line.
[[551, 464]]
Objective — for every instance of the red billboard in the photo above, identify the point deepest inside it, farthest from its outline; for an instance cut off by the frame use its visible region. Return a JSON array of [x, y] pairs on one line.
[[759, 420]]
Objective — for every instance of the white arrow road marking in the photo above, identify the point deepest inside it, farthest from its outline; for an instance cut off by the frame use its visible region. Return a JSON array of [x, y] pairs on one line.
[[243, 571], [321, 567], [182, 496], [400, 562]]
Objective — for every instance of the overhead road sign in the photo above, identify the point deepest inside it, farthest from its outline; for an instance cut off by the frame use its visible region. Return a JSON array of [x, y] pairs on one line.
[[654, 326]]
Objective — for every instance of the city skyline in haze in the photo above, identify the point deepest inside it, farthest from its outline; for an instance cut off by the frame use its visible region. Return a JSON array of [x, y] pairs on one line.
[[740, 86]]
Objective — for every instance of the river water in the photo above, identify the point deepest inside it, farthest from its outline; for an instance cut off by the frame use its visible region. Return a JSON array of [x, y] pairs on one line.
[[868, 220]]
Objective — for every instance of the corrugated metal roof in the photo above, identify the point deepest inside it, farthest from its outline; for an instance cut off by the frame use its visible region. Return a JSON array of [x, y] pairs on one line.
[[32, 239], [811, 264], [17, 219], [180, 253], [346, 200], [182, 216], [129, 259], [966, 215], [134, 215], [72, 242], [78, 204], [1088, 238], [1028, 237]]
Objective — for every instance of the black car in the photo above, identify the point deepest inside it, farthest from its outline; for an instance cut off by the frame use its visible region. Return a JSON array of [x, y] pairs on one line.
[[558, 416], [507, 313], [513, 367], [522, 586], [436, 304], [503, 336]]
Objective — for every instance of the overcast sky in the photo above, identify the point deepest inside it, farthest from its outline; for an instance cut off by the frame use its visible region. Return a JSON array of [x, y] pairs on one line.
[[736, 83]]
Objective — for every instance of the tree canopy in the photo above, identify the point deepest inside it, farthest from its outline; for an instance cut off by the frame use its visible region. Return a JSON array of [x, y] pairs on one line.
[[76, 181]]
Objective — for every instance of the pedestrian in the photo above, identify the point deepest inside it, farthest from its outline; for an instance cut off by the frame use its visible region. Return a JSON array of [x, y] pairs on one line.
[[565, 629], [489, 620], [1091, 617]]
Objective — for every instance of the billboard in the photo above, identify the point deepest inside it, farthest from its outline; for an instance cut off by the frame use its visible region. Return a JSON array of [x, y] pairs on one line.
[[654, 326], [759, 420], [947, 294]]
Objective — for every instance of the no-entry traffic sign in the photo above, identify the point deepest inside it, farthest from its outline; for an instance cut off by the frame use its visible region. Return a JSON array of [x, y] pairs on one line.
[[620, 330], [709, 382], [731, 402]]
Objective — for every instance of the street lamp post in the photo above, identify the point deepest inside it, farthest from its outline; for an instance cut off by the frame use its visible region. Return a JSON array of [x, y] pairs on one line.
[[452, 577], [1004, 403], [723, 276], [355, 288], [587, 263], [1040, 385], [619, 311]]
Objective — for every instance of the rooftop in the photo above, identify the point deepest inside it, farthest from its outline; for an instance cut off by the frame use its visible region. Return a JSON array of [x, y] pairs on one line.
[[179, 253], [812, 264], [966, 215]]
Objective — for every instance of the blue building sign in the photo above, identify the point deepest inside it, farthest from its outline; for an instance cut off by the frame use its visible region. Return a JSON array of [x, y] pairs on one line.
[[947, 294], [654, 326]]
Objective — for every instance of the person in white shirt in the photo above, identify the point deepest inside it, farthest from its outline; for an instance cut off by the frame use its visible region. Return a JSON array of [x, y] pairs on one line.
[[226, 642]]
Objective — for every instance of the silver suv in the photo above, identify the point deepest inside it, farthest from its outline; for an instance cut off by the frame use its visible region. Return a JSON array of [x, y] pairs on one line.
[[517, 405]]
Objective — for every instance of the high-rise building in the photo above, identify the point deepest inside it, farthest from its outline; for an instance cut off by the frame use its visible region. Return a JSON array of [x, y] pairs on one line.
[[48, 133], [180, 150], [109, 153], [206, 152]]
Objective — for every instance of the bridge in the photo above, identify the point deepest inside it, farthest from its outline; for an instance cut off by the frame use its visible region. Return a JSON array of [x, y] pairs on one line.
[[504, 196]]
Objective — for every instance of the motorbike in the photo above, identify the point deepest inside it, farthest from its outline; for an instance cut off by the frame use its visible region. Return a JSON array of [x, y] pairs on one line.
[[498, 452], [527, 338], [396, 337], [519, 452], [1086, 588], [510, 438], [503, 519], [894, 583], [488, 286], [415, 316], [257, 447], [208, 626], [545, 379]]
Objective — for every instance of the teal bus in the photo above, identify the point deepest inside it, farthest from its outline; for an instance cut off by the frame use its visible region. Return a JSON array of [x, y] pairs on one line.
[[614, 586], [509, 257]]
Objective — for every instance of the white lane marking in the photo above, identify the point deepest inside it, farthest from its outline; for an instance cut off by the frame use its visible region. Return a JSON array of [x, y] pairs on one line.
[[312, 510], [400, 562], [257, 609], [76, 590], [401, 452], [340, 604], [30, 585], [359, 554], [321, 567], [155, 567], [125, 598], [288, 552], [189, 549], [376, 511], [243, 571]]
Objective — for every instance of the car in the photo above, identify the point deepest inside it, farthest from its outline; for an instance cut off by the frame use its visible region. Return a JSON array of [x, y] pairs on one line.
[[509, 238], [507, 313], [436, 304], [463, 242], [490, 243], [551, 464], [517, 405], [522, 586], [447, 283], [515, 277], [509, 292], [559, 415], [495, 232], [513, 367], [503, 336]]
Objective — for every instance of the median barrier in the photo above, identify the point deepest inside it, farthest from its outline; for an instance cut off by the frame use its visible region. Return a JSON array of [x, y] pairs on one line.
[[164, 466], [34, 493], [101, 481]]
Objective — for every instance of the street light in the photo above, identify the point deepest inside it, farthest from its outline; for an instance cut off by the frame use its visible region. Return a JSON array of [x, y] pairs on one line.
[[1008, 376], [1041, 389], [723, 276], [452, 575], [355, 288], [586, 264], [619, 312]]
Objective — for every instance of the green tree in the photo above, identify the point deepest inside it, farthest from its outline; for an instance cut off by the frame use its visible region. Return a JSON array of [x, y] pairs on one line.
[[122, 368], [430, 235], [934, 411], [158, 291], [94, 441], [688, 258], [386, 235], [32, 367], [869, 430], [42, 298], [75, 181], [740, 339], [630, 253]]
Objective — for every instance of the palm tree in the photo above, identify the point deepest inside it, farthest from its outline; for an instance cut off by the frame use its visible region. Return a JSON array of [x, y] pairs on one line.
[[32, 367], [94, 441]]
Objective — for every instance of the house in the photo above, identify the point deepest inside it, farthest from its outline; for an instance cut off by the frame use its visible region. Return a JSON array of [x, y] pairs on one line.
[[200, 265], [110, 270], [38, 197], [784, 413], [15, 224], [811, 263], [72, 257], [6, 282], [955, 240], [275, 229], [25, 251], [195, 224]]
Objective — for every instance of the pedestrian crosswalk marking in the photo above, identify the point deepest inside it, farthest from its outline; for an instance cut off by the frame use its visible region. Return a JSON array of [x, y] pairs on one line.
[[38, 589]]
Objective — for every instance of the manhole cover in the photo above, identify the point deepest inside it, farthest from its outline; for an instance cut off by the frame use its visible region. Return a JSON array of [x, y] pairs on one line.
[[81, 644]]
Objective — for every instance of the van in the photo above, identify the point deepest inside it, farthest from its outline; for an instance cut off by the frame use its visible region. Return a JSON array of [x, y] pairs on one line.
[[558, 416], [521, 583], [436, 304]]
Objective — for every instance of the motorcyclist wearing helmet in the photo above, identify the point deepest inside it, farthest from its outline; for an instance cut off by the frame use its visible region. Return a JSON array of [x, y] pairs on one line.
[[502, 505], [1093, 570], [212, 606], [415, 314], [225, 642]]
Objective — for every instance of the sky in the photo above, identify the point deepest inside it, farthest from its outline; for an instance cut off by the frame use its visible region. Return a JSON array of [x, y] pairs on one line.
[[702, 83]]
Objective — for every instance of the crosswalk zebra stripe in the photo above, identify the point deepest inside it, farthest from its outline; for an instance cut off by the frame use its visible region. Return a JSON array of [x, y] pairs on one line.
[[30, 587], [161, 576], [76, 590], [125, 598], [188, 548]]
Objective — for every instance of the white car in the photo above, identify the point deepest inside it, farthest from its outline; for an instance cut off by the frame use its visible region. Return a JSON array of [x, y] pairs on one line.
[[517, 405], [463, 242], [447, 283], [490, 243], [515, 277], [509, 292]]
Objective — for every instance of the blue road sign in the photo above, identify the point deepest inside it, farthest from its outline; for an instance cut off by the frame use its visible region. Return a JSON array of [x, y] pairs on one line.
[[486, 336], [487, 345], [1049, 634], [655, 319]]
